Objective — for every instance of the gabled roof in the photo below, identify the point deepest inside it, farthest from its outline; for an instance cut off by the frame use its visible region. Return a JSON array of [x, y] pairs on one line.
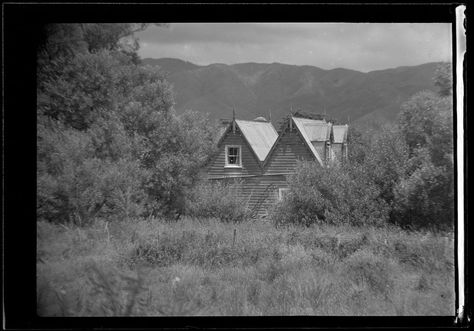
[[260, 135], [308, 130], [340, 133]]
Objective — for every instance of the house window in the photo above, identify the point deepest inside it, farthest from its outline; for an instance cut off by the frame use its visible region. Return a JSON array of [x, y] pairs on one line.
[[233, 156], [282, 193]]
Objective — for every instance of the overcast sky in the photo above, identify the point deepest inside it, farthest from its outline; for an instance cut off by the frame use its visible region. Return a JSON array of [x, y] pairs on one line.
[[358, 46]]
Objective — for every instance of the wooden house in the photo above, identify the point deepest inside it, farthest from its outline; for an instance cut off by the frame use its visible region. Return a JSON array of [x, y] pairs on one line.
[[259, 160]]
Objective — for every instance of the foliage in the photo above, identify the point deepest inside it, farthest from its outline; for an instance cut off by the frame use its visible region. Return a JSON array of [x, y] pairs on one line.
[[184, 146], [386, 161], [109, 142], [330, 195], [115, 294], [58, 40], [208, 267], [412, 163], [404, 172], [425, 195], [75, 185], [358, 142], [426, 122], [218, 200], [444, 79], [79, 90]]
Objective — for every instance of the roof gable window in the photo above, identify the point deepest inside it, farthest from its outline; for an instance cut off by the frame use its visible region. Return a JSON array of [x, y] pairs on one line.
[[233, 156]]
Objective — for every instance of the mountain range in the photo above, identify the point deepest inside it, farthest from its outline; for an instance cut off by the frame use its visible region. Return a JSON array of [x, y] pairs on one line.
[[274, 89]]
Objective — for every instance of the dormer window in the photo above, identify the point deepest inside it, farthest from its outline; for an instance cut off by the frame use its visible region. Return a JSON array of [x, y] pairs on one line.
[[233, 156]]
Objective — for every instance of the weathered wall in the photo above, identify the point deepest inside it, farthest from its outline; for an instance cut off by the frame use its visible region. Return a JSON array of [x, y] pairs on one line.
[[261, 192], [289, 149], [250, 165]]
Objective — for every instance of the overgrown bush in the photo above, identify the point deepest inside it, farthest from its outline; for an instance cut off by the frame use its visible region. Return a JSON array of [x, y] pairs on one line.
[[425, 198], [74, 185], [109, 141], [217, 200], [330, 195], [386, 161]]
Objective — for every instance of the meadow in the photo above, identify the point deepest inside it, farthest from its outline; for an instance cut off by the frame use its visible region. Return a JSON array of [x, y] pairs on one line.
[[207, 267]]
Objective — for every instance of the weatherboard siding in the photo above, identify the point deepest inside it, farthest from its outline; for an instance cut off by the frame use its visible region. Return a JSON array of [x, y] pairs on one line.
[[260, 192], [320, 147], [250, 165], [289, 149]]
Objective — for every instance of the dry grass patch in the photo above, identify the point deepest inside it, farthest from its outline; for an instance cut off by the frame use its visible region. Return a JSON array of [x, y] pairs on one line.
[[206, 267]]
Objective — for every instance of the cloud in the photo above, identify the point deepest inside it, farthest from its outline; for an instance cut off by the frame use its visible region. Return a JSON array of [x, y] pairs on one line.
[[358, 46]]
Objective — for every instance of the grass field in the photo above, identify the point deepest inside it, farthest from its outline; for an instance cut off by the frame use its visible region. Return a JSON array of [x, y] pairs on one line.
[[205, 267]]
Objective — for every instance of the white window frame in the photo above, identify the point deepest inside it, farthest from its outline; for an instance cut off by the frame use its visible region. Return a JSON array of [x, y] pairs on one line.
[[280, 192], [227, 165]]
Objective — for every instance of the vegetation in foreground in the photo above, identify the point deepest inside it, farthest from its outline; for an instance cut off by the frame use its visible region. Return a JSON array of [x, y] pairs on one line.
[[207, 267]]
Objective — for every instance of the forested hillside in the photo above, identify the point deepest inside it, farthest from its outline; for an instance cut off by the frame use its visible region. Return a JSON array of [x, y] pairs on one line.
[[255, 89]]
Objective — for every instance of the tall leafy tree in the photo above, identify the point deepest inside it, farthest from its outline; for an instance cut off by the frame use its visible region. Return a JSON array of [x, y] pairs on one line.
[[425, 196], [444, 79], [109, 142]]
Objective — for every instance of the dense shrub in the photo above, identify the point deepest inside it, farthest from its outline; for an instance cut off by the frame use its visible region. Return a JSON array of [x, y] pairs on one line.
[[109, 141], [74, 185], [426, 121], [386, 161], [330, 195], [425, 198], [217, 200], [174, 158]]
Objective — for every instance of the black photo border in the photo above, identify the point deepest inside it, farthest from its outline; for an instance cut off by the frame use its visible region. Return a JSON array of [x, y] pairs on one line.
[[21, 26]]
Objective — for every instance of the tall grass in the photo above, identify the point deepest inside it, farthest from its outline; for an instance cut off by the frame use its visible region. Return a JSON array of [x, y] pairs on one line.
[[206, 267]]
